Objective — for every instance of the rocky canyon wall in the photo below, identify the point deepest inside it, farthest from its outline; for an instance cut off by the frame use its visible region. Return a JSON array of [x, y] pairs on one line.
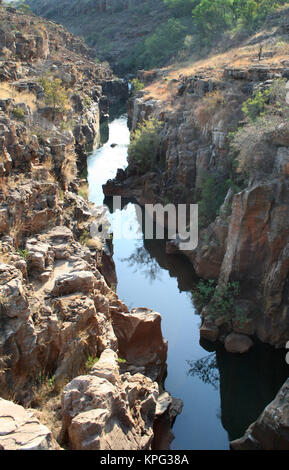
[[248, 240], [62, 355]]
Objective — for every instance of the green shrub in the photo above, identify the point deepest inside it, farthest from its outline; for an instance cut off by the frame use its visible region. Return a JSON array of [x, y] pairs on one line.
[[87, 101], [203, 293], [158, 48], [137, 85], [23, 253], [181, 7], [251, 144], [255, 107], [91, 361], [220, 300], [213, 192], [144, 146], [223, 301], [122, 361], [18, 113]]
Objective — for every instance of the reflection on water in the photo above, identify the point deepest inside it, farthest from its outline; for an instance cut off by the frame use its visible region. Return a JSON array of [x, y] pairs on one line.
[[206, 369], [141, 259], [222, 393]]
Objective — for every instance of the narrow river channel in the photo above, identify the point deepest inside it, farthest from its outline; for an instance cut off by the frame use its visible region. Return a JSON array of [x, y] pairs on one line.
[[222, 393]]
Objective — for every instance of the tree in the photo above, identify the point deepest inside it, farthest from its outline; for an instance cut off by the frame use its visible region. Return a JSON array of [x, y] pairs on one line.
[[181, 7], [144, 146], [213, 17], [54, 93]]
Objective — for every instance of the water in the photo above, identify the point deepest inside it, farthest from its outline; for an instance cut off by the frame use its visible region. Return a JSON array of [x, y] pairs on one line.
[[222, 393]]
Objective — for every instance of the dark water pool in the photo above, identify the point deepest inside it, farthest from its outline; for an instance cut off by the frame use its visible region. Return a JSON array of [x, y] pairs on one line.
[[222, 393]]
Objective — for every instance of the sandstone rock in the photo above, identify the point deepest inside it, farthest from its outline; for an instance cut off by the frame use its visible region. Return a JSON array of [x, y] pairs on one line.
[[282, 161], [139, 336], [77, 281], [209, 331], [14, 302], [107, 367], [39, 255], [271, 430], [100, 414], [21, 430], [236, 343], [256, 252], [4, 223], [164, 402]]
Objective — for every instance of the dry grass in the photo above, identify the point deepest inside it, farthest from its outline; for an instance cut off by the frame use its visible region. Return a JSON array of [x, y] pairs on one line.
[[214, 65], [83, 191], [3, 364], [51, 416], [47, 401], [208, 106], [94, 244], [8, 91], [17, 232]]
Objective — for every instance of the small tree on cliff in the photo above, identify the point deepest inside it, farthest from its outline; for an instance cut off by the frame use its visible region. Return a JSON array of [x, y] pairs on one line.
[[55, 94], [144, 146]]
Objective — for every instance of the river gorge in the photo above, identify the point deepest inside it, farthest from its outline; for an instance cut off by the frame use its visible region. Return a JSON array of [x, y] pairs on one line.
[[130, 343], [222, 393]]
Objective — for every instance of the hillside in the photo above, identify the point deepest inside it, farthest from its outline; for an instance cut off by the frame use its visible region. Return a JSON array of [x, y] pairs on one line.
[[112, 28], [134, 35]]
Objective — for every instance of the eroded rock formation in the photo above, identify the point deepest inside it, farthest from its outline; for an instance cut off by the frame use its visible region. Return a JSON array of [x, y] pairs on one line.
[[59, 312], [21, 430]]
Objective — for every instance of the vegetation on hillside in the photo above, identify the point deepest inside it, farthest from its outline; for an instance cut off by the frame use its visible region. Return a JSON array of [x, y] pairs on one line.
[[55, 94], [144, 146], [153, 33], [266, 114], [196, 25]]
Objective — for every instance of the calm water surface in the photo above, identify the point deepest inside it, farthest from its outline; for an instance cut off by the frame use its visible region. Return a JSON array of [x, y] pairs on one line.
[[222, 393]]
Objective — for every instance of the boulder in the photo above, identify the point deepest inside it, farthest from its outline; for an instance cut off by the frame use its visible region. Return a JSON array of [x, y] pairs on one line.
[[140, 337], [76, 281], [236, 343], [14, 303], [107, 367], [209, 331]]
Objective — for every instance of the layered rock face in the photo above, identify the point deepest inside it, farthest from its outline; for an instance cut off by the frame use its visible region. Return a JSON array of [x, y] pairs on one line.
[[52, 324], [21, 430], [248, 240], [108, 410], [59, 312], [271, 430]]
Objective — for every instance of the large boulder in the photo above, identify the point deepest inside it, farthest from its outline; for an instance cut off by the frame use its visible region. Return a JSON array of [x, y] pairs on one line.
[[238, 344], [14, 303], [209, 331], [140, 337]]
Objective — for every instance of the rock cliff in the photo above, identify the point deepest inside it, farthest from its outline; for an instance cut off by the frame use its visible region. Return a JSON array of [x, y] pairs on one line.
[[270, 431], [62, 326], [242, 194]]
